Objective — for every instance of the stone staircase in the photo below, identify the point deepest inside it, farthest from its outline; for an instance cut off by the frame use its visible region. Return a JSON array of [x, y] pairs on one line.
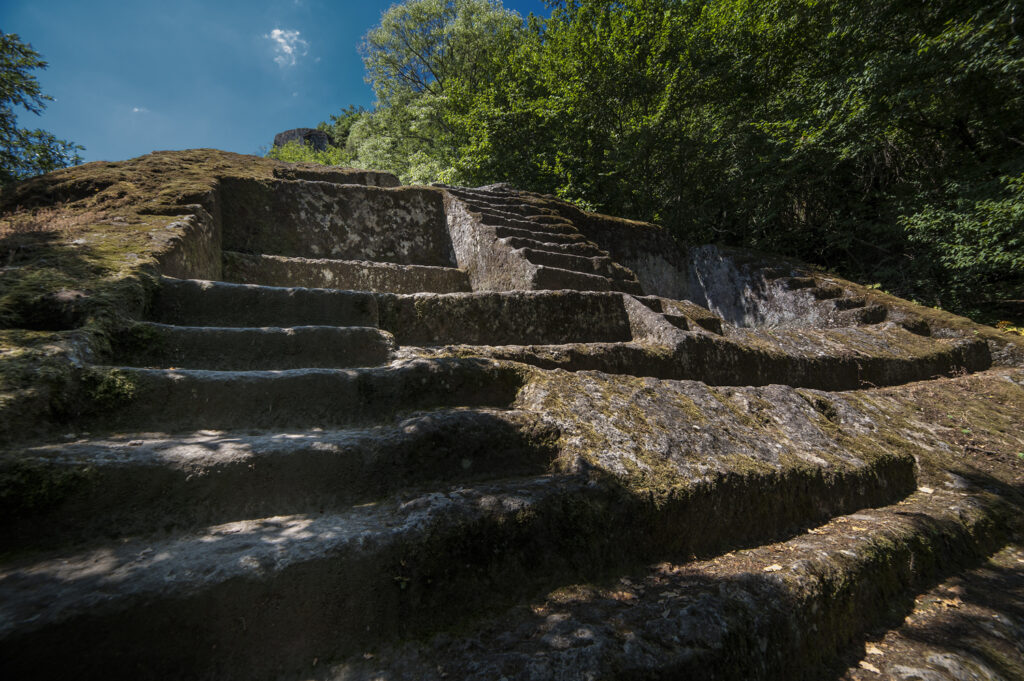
[[386, 464], [556, 254]]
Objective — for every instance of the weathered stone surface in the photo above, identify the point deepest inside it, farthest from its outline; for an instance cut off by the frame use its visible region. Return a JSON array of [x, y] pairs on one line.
[[523, 317], [133, 485], [969, 627], [484, 238], [778, 611], [317, 139], [809, 359], [228, 348], [171, 400], [354, 275], [608, 456], [404, 225], [214, 303]]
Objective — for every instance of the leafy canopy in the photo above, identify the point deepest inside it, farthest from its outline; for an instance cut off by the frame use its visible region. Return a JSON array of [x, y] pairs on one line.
[[880, 138], [24, 153]]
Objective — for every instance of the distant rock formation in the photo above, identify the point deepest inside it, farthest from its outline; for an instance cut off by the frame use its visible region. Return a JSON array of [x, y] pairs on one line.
[[317, 139]]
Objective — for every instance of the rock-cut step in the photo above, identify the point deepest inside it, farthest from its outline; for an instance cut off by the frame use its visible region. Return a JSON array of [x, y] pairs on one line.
[[779, 611], [268, 596], [585, 249], [528, 232], [148, 344], [556, 278], [506, 220], [353, 275], [175, 400], [137, 484], [600, 265], [196, 302]]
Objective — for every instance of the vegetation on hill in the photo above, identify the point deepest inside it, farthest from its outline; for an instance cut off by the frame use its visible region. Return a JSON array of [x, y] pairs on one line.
[[882, 139]]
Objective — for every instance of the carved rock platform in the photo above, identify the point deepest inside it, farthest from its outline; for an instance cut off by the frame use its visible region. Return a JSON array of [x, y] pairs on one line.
[[384, 432]]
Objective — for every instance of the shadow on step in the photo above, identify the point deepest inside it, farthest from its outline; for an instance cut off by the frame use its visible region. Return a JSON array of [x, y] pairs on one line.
[[979, 613], [132, 485], [776, 612], [266, 597], [969, 627]]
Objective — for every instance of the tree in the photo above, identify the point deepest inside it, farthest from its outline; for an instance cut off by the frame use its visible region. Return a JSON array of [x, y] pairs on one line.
[[880, 138], [341, 125], [428, 62], [24, 153]]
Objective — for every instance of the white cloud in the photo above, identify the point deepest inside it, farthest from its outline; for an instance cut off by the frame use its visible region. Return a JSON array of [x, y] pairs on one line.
[[288, 46], [139, 109]]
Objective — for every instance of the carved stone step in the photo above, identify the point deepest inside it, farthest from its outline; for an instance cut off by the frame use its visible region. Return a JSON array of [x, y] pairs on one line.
[[503, 318], [601, 265], [585, 249], [554, 227], [848, 303], [806, 359], [354, 275], [553, 278], [510, 207], [191, 399], [476, 194], [194, 302], [677, 320], [784, 610], [795, 283], [861, 315], [338, 583], [827, 292], [529, 232], [143, 483], [238, 348]]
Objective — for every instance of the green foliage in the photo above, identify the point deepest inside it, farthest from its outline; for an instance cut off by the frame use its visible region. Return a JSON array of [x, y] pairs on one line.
[[341, 125], [429, 62], [297, 152], [24, 153], [974, 241], [882, 139]]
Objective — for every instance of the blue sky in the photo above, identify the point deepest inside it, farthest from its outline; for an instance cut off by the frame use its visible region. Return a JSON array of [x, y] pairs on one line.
[[136, 76]]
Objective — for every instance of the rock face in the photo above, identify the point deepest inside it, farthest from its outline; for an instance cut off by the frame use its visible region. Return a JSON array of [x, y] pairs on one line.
[[317, 139], [363, 431]]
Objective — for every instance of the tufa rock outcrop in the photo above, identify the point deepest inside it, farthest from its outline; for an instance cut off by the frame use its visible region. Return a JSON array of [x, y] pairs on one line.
[[318, 139], [285, 421]]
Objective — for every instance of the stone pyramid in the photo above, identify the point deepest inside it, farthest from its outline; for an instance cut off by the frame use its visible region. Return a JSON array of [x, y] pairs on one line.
[[353, 430]]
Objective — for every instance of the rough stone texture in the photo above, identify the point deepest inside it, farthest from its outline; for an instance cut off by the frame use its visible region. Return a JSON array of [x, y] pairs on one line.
[[969, 627], [309, 136], [195, 253], [171, 400], [227, 348], [773, 612], [503, 318], [490, 265], [208, 303], [503, 242], [355, 275], [207, 478], [809, 358], [703, 464], [404, 225]]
